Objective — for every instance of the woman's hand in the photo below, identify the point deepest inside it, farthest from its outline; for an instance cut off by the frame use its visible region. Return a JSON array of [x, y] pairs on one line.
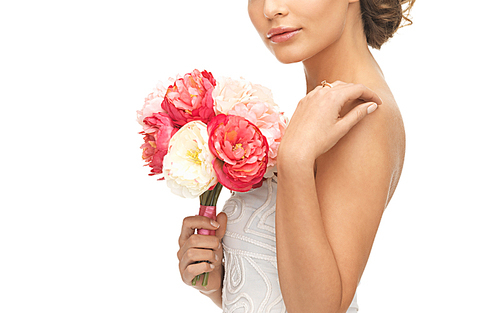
[[316, 125], [201, 253]]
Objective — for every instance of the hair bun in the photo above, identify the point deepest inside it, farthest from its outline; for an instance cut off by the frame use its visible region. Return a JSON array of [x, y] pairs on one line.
[[382, 18]]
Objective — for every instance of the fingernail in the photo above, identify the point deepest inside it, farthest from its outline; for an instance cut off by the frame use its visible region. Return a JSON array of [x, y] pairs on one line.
[[212, 266], [214, 224], [216, 257], [371, 108]]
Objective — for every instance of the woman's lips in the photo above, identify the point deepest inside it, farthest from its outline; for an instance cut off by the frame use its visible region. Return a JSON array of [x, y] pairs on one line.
[[281, 34]]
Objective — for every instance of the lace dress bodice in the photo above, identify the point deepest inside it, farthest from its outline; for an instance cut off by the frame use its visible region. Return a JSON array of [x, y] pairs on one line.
[[251, 282]]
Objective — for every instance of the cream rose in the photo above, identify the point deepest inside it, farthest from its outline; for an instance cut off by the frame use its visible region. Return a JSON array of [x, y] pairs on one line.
[[187, 167]]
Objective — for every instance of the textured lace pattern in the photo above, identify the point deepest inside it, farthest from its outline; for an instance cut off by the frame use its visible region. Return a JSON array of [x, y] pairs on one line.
[[251, 271]]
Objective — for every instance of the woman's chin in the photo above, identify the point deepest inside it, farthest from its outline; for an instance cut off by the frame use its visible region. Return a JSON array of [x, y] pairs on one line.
[[287, 57], [288, 61]]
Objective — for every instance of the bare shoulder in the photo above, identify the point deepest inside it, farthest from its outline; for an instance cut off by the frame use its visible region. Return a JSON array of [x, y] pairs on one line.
[[380, 134], [392, 132]]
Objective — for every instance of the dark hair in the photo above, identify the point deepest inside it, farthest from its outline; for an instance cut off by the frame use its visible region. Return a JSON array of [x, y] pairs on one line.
[[382, 18]]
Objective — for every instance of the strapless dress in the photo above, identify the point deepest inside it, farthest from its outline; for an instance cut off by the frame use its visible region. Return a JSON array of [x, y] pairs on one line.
[[251, 282]]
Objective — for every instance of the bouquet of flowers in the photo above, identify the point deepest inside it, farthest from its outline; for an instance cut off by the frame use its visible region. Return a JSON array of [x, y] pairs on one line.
[[201, 134]]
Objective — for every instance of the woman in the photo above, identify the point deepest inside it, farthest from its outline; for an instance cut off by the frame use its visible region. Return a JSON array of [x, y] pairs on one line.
[[338, 167]]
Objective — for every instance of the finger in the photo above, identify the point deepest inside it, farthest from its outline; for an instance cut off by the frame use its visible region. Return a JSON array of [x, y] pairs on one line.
[[330, 86], [194, 255], [219, 233], [355, 116], [321, 91], [222, 220], [358, 91], [313, 92], [200, 242], [191, 223], [338, 83], [195, 269]]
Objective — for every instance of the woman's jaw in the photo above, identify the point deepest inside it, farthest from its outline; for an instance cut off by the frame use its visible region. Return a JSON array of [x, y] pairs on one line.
[[295, 31]]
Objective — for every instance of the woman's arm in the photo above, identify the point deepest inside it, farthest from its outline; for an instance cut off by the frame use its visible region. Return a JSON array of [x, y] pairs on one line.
[[325, 226]]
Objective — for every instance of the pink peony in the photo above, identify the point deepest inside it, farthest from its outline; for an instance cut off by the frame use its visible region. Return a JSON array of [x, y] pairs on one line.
[[228, 92], [152, 104], [268, 119], [155, 145], [241, 152], [190, 98]]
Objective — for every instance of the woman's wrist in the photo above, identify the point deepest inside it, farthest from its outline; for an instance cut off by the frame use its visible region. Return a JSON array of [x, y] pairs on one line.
[[214, 280], [291, 159], [214, 288], [208, 292]]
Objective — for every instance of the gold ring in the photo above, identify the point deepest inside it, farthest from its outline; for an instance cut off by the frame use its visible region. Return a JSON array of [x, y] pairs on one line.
[[324, 84]]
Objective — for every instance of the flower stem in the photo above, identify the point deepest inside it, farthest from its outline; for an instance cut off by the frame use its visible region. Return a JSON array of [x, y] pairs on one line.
[[205, 280], [208, 198]]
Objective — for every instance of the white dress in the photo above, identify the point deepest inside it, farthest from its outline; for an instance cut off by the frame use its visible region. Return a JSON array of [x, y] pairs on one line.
[[251, 271]]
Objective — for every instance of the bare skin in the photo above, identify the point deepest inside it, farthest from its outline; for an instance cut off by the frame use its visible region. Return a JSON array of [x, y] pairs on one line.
[[207, 250], [334, 181]]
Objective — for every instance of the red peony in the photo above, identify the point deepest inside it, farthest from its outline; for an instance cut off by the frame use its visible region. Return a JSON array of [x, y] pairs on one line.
[[190, 98], [241, 152], [155, 145]]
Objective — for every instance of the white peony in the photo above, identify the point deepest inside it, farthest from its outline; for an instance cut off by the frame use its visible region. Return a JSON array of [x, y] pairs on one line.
[[187, 166], [228, 92]]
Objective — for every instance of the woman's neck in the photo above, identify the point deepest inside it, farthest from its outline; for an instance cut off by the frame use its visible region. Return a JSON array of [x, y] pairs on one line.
[[348, 59]]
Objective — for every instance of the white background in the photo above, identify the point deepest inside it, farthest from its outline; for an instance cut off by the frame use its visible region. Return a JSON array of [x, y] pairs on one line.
[[83, 228]]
